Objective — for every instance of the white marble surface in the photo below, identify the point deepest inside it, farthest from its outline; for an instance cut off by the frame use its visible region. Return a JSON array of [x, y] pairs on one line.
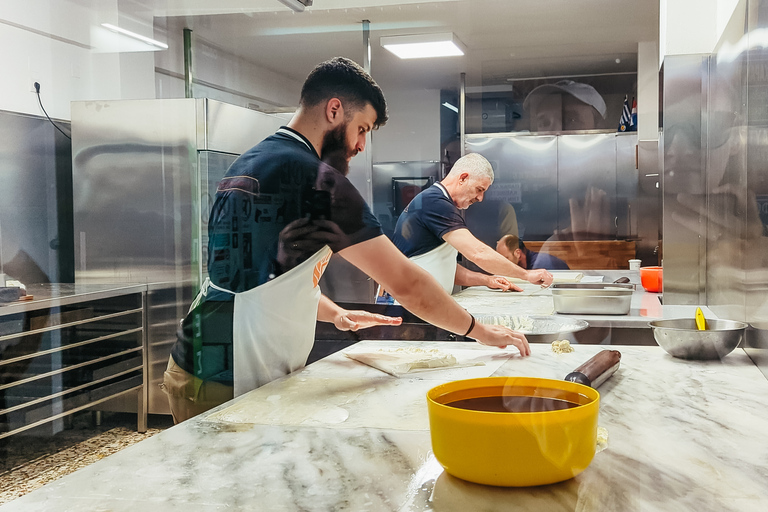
[[535, 300], [683, 435]]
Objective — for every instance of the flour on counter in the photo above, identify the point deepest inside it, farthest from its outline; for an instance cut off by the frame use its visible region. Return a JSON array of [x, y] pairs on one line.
[[602, 439], [399, 361], [522, 324], [427, 358], [562, 347]]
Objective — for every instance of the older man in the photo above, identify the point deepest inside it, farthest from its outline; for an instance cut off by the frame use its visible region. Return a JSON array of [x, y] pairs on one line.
[[431, 231]]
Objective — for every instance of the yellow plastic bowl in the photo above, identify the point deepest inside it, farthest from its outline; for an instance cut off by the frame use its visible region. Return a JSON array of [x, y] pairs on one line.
[[513, 449]]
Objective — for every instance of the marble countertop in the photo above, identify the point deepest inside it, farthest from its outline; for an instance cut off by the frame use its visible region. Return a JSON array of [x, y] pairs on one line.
[[341, 436], [535, 300]]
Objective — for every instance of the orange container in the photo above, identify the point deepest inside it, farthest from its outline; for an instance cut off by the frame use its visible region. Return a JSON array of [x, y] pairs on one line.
[[651, 278]]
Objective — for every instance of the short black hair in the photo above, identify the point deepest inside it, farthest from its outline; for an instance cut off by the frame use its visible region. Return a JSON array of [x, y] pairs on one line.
[[513, 242], [344, 79]]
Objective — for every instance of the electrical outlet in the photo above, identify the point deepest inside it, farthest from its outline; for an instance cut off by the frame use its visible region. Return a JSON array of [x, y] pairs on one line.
[[31, 82]]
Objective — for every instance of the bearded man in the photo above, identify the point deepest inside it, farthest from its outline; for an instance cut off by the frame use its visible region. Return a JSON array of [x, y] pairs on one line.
[[254, 318]]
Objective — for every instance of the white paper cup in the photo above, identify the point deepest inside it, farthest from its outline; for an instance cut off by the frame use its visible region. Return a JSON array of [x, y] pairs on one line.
[[634, 264]]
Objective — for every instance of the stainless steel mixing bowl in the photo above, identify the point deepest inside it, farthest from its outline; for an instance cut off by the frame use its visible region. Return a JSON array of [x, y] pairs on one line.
[[538, 329], [680, 337]]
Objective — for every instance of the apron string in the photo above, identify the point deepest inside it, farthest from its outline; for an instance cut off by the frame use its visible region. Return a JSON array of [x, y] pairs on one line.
[[210, 283]]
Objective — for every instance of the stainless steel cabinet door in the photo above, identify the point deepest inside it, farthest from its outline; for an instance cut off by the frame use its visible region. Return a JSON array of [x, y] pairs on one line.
[[525, 170], [586, 186]]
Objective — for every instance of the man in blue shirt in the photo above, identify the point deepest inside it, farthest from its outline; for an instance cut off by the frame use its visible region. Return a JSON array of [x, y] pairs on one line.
[[512, 248], [279, 213], [431, 231]]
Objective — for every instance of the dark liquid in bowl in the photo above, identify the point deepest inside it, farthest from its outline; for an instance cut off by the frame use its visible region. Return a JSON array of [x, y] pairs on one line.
[[512, 404]]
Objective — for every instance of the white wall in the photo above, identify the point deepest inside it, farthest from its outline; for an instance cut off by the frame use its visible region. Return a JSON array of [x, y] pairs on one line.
[[234, 80], [413, 129], [648, 90], [692, 26], [61, 45]]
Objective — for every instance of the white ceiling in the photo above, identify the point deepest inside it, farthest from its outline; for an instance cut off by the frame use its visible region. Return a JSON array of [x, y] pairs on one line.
[[505, 39]]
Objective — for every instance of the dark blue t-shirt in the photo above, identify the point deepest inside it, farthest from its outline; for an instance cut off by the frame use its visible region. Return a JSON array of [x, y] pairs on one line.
[[265, 189], [538, 260], [426, 219]]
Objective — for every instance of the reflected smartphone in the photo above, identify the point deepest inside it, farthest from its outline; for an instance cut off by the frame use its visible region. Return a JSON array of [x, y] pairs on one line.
[[316, 205]]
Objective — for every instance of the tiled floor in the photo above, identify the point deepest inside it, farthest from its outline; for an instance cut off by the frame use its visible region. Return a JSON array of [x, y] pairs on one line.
[[31, 461]]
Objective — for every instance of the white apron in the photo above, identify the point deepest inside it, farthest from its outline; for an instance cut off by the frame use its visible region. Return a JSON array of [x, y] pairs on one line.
[[441, 263], [274, 324]]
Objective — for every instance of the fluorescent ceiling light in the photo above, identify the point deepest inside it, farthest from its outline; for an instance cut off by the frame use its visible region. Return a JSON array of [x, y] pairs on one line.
[[296, 5], [134, 35], [450, 107], [423, 45]]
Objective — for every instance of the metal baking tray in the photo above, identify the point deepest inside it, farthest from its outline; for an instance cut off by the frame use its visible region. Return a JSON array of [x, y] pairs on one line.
[[592, 298]]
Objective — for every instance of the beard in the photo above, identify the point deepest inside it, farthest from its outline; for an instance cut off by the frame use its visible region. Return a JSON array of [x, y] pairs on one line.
[[334, 150]]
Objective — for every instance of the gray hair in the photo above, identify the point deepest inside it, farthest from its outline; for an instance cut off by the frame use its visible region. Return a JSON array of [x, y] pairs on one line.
[[475, 164]]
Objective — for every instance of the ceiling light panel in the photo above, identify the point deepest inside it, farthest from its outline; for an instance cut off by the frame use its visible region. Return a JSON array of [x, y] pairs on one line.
[[420, 46]]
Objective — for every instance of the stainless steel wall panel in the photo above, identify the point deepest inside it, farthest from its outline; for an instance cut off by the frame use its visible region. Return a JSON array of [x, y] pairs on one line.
[[715, 177], [134, 163], [546, 177], [646, 215], [525, 170], [727, 231], [231, 129], [685, 105], [586, 186], [741, 83], [627, 185]]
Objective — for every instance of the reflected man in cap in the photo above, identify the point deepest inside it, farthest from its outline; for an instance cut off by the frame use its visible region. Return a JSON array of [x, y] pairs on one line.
[[565, 105]]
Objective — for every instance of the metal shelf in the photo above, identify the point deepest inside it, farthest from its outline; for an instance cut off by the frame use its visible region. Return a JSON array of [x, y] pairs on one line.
[[55, 362]]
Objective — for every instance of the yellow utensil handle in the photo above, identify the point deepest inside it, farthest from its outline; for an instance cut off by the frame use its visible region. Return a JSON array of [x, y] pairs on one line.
[[701, 322]]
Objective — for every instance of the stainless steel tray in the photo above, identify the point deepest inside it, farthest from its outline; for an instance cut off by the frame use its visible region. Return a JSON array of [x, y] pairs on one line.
[[592, 298]]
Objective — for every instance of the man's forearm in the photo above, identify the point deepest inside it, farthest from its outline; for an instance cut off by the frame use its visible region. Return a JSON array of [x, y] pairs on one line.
[[411, 285], [482, 255], [466, 277], [494, 263], [327, 310]]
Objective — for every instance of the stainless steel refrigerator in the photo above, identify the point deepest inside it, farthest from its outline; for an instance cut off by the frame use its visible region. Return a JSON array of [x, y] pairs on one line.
[[144, 176]]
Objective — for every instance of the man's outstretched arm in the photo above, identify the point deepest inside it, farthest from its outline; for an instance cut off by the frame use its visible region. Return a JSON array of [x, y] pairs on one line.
[[422, 295], [491, 261]]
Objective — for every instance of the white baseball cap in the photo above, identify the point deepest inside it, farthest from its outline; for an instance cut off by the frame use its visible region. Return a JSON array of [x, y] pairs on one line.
[[582, 92]]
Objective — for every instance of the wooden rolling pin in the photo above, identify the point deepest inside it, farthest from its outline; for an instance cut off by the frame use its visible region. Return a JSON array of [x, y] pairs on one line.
[[597, 370]]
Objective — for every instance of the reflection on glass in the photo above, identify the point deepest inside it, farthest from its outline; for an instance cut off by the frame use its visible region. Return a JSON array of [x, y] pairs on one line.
[[715, 183], [565, 105]]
